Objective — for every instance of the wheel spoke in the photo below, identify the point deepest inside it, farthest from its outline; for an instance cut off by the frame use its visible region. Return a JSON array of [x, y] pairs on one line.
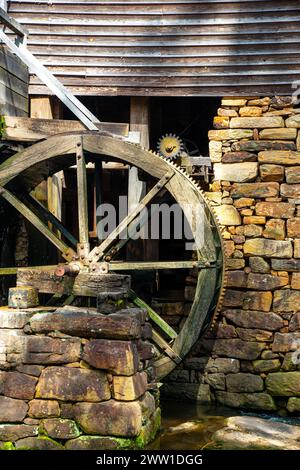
[[98, 197], [154, 265], [83, 224], [66, 251], [100, 250], [162, 344], [43, 212], [153, 315]]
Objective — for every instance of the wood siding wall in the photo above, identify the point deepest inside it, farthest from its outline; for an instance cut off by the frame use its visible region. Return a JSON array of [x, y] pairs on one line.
[[13, 85], [169, 47]]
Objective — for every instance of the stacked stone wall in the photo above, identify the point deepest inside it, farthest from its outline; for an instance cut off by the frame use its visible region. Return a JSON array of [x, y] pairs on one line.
[[73, 378], [249, 359]]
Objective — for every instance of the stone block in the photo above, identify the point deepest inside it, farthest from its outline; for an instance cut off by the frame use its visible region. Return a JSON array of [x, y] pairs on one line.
[[293, 404], [216, 381], [235, 348], [215, 150], [259, 265], [271, 172], [255, 190], [77, 321], [256, 401], [285, 342], [213, 366], [286, 300], [265, 281], [129, 388], [23, 297], [257, 301], [293, 121], [250, 111], [275, 229], [279, 210], [284, 384], [282, 133], [38, 443], [13, 432], [12, 410], [253, 219], [98, 443], [235, 263], [256, 122], [221, 122], [231, 101], [252, 230], [236, 279], [238, 157], [295, 321], [236, 172], [279, 157], [266, 366], [17, 385], [227, 112], [110, 418], [230, 134], [118, 357], [268, 248], [73, 384], [262, 145], [233, 298], [255, 319], [286, 264], [293, 227], [243, 382], [45, 350], [30, 369], [43, 408], [296, 249], [254, 334], [12, 318], [290, 190], [58, 428], [292, 174]]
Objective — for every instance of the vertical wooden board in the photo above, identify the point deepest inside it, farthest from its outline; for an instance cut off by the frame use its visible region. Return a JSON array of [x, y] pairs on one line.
[[82, 194]]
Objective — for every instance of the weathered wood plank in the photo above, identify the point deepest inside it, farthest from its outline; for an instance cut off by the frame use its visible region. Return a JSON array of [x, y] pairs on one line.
[[82, 202], [31, 129], [66, 251], [9, 96], [45, 280], [12, 24], [167, 349], [93, 284]]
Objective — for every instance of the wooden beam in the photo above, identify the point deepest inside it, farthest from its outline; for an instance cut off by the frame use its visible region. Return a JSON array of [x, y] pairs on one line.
[[23, 129], [83, 218], [154, 265], [162, 324], [12, 24], [66, 251], [162, 344]]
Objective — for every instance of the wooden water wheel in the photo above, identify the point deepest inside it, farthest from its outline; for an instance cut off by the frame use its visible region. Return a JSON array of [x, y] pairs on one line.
[[21, 173]]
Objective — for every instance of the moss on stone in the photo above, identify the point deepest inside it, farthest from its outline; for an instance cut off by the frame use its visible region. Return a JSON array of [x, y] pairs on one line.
[[7, 446], [149, 431]]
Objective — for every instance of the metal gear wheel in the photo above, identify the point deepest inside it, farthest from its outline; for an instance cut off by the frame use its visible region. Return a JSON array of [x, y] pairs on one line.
[[170, 146]]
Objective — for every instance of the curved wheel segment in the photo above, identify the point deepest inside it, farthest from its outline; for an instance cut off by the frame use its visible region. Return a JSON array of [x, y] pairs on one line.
[[20, 174]]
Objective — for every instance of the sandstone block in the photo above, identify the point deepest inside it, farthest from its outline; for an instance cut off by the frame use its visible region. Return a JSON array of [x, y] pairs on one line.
[[44, 350], [58, 428], [265, 281], [271, 172], [295, 322], [215, 150], [228, 215], [252, 230], [222, 365], [110, 418], [255, 319], [43, 408], [256, 122], [250, 111], [243, 382], [216, 381], [275, 229], [236, 279], [221, 122], [227, 112], [236, 172], [284, 384], [286, 264], [77, 321], [261, 145], [290, 190], [275, 209], [233, 298], [279, 157], [230, 134], [285, 342], [296, 249], [73, 384], [260, 101], [254, 334], [235, 348], [118, 357], [238, 157], [286, 300], [12, 410], [282, 133], [13, 432], [293, 121], [254, 219], [129, 388], [97, 443], [12, 318], [17, 385], [293, 227], [231, 101], [271, 365], [293, 404], [257, 401], [38, 443], [23, 297], [268, 248], [257, 301], [259, 265], [235, 263], [255, 190], [30, 369], [292, 174]]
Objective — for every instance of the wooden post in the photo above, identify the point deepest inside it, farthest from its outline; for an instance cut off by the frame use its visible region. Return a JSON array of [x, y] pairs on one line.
[[3, 5]]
